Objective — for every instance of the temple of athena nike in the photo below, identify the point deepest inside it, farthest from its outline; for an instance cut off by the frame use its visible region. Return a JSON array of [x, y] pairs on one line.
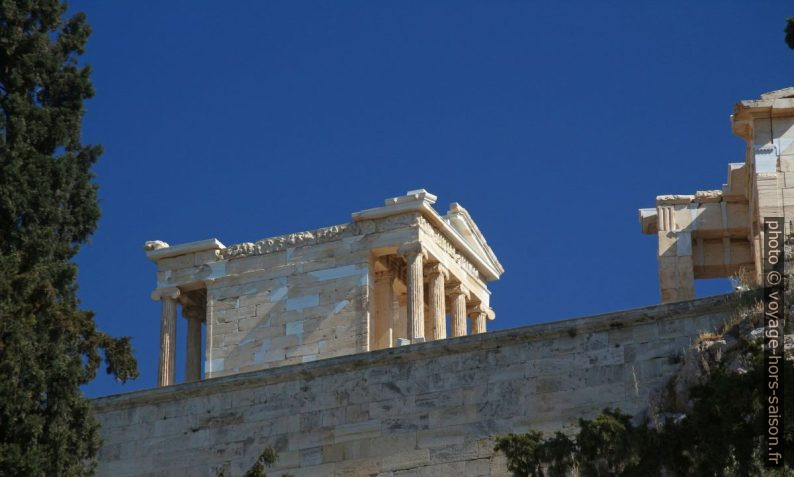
[[717, 233], [389, 278]]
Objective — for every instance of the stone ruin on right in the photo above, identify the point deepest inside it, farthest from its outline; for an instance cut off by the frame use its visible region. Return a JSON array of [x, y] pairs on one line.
[[718, 233]]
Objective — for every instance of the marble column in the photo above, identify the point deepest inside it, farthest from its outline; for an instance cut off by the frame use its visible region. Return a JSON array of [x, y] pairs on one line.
[[193, 355], [413, 254], [167, 363], [194, 309], [457, 295], [478, 318], [435, 297], [384, 310]]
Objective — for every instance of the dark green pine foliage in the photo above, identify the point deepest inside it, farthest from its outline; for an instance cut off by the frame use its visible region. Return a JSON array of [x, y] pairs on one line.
[[790, 32], [48, 208]]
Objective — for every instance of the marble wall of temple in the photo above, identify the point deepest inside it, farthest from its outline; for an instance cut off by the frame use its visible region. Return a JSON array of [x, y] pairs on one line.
[[718, 233], [390, 277]]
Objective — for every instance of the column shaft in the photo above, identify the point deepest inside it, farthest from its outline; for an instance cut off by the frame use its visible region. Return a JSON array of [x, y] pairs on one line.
[[416, 299], [384, 306], [478, 322], [438, 330], [167, 365], [458, 305], [193, 355]]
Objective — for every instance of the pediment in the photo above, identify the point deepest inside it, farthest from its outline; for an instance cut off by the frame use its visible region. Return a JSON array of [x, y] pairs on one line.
[[459, 219]]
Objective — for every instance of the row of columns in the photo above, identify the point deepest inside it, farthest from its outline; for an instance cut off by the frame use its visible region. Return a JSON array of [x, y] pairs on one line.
[[420, 327], [166, 370]]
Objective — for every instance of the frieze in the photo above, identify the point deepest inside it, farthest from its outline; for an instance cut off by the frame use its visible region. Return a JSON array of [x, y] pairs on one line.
[[283, 242], [444, 244], [321, 235]]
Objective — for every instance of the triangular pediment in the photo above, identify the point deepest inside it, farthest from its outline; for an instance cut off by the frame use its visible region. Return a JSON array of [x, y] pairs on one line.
[[459, 219]]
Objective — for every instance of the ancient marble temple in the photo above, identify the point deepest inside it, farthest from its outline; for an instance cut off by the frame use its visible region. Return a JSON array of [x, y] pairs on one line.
[[397, 274], [718, 233]]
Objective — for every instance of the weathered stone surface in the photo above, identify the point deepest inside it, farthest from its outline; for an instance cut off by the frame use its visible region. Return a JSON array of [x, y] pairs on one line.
[[426, 409], [154, 245]]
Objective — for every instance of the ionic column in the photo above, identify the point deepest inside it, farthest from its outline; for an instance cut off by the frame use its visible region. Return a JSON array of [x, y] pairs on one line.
[[478, 317], [435, 296], [457, 295], [167, 363], [384, 306], [193, 356], [413, 254]]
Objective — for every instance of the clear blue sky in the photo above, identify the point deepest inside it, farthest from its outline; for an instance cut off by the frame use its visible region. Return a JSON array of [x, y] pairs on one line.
[[552, 122]]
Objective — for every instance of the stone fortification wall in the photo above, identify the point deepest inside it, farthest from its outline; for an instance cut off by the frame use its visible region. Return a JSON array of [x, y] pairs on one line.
[[429, 409]]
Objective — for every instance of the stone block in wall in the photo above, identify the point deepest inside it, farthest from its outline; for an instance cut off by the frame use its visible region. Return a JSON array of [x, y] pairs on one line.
[[685, 216], [272, 261], [413, 459], [178, 262]]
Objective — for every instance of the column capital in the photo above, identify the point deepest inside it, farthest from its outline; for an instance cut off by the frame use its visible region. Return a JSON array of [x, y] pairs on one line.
[[433, 269], [480, 309], [478, 318], [165, 293], [412, 248], [477, 309], [457, 289]]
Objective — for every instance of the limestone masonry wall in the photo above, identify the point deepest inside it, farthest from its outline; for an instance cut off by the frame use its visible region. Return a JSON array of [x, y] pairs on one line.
[[428, 409]]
